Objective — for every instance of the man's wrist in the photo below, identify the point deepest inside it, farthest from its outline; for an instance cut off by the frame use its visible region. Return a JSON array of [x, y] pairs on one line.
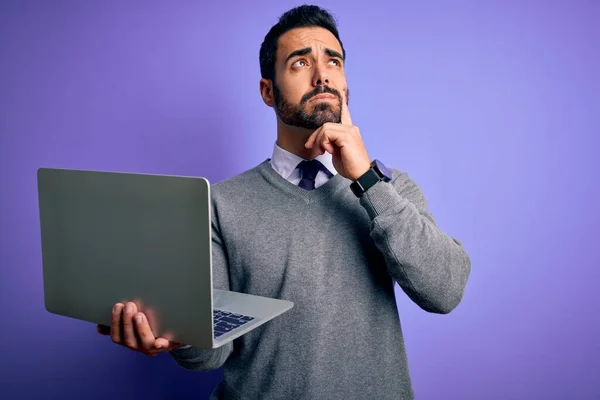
[[376, 173]]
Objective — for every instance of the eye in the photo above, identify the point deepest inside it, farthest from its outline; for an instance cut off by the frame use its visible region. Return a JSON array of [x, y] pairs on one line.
[[336, 62], [299, 63]]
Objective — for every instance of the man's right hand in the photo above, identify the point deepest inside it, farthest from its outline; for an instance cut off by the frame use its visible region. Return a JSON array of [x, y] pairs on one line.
[[131, 329]]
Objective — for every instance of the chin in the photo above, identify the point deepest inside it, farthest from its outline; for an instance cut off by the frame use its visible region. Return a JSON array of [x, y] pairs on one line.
[[324, 111], [329, 117]]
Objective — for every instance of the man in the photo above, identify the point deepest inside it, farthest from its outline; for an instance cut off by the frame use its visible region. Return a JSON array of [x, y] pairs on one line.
[[331, 235]]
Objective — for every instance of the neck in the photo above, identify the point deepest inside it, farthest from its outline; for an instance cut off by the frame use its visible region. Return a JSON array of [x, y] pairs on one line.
[[292, 139]]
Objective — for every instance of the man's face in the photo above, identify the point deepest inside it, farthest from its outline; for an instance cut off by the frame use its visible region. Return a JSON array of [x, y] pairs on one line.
[[310, 84]]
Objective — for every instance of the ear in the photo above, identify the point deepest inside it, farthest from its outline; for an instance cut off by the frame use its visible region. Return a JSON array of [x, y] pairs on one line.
[[266, 92]]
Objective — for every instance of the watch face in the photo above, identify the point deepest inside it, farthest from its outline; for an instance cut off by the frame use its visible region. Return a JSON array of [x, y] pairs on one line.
[[382, 168]]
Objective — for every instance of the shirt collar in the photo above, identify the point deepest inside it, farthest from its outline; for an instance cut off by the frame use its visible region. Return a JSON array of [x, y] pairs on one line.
[[285, 162]]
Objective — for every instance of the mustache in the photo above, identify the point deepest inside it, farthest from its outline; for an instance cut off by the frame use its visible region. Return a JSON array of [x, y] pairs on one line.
[[320, 90]]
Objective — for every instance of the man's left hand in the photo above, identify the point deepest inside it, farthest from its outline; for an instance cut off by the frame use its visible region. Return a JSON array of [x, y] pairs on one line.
[[344, 142]]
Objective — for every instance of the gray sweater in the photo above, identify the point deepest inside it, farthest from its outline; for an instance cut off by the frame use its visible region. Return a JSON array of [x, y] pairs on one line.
[[337, 258]]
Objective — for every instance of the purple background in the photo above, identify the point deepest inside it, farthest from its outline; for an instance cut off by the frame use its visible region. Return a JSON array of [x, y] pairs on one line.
[[492, 107]]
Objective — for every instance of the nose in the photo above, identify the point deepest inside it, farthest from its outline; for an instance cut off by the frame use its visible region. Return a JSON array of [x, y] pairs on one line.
[[320, 77]]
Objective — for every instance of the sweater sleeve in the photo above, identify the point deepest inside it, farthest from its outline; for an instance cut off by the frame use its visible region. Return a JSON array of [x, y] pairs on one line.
[[431, 267], [193, 358]]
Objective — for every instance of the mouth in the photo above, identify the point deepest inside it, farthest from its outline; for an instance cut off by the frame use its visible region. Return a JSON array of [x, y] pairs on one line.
[[322, 96]]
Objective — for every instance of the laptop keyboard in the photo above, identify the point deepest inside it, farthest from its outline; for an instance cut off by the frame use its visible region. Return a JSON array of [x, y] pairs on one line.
[[225, 321]]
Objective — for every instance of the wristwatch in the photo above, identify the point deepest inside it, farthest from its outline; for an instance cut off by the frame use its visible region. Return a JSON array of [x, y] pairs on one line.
[[378, 172]]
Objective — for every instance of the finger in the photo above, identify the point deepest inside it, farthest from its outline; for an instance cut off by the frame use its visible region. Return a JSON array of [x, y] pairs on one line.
[[328, 147], [129, 338], [166, 341], [144, 332], [316, 147], [311, 140], [154, 351], [162, 343], [115, 323], [346, 119], [103, 330], [324, 142], [332, 138], [317, 142]]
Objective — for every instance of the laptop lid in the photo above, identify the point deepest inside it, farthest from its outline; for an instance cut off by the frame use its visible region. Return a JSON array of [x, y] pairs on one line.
[[110, 237]]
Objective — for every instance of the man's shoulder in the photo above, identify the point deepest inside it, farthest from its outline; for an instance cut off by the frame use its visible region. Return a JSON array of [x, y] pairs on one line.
[[238, 183]]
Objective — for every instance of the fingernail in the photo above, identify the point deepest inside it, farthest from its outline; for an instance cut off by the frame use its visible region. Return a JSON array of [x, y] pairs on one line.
[[128, 308], [138, 318], [116, 308]]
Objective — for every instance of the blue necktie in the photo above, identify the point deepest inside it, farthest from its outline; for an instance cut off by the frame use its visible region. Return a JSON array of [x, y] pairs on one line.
[[309, 170]]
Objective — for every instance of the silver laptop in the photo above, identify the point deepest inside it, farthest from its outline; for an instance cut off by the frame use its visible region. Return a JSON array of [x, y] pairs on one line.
[[110, 237]]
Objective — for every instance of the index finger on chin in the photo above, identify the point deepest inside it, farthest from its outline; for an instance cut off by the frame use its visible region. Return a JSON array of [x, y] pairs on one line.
[[345, 117]]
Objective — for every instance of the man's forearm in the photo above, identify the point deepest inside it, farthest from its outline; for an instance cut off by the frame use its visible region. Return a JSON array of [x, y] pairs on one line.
[[431, 267]]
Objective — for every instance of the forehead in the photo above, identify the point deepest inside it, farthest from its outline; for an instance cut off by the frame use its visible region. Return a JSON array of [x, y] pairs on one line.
[[299, 38]]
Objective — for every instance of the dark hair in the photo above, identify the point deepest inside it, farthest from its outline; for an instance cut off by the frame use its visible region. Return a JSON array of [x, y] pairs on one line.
[[299, 17]]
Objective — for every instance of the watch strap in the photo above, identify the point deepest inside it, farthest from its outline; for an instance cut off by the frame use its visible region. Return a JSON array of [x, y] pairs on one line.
[[363, 183], [369, 178]]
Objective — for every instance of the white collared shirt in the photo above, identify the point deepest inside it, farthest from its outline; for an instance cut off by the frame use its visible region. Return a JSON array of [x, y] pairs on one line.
[[285, 163]]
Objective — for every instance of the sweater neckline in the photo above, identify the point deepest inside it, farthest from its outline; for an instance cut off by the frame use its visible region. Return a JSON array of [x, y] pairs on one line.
[[309, 196]]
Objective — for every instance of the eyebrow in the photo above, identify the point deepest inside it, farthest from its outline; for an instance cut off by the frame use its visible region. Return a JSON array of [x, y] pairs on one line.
[[308, 50]]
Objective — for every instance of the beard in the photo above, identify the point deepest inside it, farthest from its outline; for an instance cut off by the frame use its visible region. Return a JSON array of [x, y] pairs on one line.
[[297, 114]]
